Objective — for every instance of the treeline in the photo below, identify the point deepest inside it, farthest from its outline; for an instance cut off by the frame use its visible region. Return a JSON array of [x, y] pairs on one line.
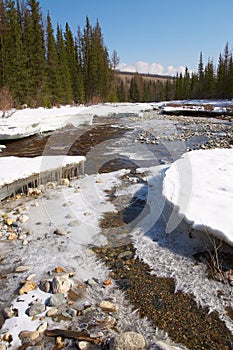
[[39, 67], [209, 82], [43, 66]]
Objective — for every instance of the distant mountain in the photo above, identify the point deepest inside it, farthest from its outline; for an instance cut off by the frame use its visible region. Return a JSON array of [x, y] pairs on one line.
[[128, 75]]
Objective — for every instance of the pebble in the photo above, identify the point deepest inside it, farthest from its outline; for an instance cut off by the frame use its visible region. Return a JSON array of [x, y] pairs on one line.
[[45, 286], [128, 341], [60, 232], [22, 268], [23, 218], [29, 335], [2, 347], [36, 309], [57, 300], [65, 182], [60, 284], [8, 312], [108, 306], [82, 345], [52, 312], [27, 287]]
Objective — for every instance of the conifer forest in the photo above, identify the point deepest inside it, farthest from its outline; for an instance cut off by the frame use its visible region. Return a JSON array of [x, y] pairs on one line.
[[45, 66]]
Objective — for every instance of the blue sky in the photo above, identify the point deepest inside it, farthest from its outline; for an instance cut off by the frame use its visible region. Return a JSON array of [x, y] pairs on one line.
[[155, 36]]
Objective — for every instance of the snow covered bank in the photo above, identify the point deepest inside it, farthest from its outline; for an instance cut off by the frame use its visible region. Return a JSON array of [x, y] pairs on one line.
[[200, 187], [14, 168], [193, 107], [27, 122]]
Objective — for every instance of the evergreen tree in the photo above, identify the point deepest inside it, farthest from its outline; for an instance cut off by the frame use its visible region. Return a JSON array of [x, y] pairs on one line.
[[133, 91], [66, 93], [54, 81], [35, 49]]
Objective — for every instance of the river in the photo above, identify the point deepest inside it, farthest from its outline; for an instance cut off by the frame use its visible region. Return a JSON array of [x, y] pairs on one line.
[[131, 142]]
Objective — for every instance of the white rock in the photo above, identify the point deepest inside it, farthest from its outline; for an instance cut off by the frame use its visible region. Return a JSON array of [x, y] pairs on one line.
[[65, 182], [128, 341], [82, 345], [61, 284], [23, 218]]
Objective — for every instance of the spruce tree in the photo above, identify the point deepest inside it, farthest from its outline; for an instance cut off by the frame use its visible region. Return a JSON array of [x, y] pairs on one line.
[[54, 82], [66, 92]]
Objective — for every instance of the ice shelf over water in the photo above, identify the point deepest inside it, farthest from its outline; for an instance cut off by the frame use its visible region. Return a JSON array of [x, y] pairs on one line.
[[199, 185]]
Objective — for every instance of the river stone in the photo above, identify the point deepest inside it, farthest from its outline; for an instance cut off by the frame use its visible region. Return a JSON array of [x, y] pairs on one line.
[[108, 306], [82, 345], [52, 312], [27, 287], [60, 232], [128, 341], [61, 284], [23, 218], [2, 347], [22, 268], [65, 182], [36, 309], [29, 335], [8, 312], [57, 300], [45, 286]]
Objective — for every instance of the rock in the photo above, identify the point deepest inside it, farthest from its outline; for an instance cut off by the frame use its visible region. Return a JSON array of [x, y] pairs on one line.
[[45, 286], [60, 232], [22, 268], [2, 347], [128, 341], [29, 335], [10, 221], [52, 312], [8, 312], [27, 287], [12, 236], [42, 327], [7, 337], [76, 292], [30, 277], [51, 185], [25, 242], [36, 309], [108, 306], [65, 182], [61, 284], [59, 269], [57, 300], [31, 347], [107, 323], [82, 345], [23, 218]]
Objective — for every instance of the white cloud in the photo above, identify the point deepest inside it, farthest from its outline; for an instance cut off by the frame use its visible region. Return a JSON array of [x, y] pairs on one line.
[[151, 68]]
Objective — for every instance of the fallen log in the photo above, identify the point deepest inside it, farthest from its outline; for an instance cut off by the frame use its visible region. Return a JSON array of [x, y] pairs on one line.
[[82, 336]]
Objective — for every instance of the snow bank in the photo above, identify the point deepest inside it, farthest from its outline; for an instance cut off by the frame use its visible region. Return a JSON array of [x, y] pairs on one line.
[[15, 168], [200, 187], [27, 122]]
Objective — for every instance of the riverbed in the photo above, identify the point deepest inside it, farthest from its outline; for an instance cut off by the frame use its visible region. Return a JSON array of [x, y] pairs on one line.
[[152, 268]]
